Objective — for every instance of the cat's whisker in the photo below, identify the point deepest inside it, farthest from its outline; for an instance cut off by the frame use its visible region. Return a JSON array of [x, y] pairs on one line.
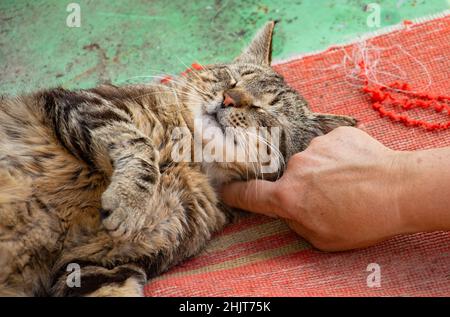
[[264, 140], [172, 90], [165, 92], [174, 79], [278, 155], [183, 81], [243, 146], [243, 142], [250, 154], [187, 67], [196, 88]]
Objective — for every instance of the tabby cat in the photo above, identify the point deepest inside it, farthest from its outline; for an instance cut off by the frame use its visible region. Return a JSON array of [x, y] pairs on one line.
[[88, 176]]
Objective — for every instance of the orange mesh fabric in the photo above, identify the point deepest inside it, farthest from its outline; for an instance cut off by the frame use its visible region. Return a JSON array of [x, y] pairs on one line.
[[262, 257]]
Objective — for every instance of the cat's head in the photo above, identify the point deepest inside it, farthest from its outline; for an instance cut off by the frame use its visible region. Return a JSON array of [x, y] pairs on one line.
[[236, 100]]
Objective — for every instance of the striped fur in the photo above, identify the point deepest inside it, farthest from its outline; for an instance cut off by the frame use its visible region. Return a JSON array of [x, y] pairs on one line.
[[87, 176]]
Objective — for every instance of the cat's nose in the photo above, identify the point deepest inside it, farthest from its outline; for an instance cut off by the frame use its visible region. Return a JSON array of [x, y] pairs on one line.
[[228, 101], [236, 98]]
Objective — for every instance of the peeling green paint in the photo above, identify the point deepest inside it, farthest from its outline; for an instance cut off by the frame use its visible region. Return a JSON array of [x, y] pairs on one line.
[[124, 41]]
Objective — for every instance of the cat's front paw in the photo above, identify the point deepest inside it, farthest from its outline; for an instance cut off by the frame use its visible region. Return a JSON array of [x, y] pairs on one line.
[[122, 215]]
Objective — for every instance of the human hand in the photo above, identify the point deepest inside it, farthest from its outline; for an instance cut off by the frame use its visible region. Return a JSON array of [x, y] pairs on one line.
[[341, 193]]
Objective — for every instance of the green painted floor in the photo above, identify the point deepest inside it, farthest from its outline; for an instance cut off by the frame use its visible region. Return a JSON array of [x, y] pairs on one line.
[[124, 41]]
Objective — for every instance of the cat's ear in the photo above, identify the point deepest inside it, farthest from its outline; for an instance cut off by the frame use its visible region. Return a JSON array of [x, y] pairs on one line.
[[328, 122], [260, 49]]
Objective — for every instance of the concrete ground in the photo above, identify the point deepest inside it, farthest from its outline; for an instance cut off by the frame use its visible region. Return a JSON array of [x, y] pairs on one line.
[[125, 41]]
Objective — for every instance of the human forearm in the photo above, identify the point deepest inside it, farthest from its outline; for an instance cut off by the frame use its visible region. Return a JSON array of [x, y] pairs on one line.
[[347, 191], [424, 198]]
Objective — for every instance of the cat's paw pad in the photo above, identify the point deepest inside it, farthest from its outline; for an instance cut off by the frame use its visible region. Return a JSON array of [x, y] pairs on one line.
[[121, 217]]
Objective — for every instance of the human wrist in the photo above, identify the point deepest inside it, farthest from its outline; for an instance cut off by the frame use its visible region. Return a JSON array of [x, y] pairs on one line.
[[415, 188], [402, 180], [393, 190]]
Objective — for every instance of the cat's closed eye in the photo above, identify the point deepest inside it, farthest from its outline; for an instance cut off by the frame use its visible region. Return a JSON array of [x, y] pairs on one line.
[[246, 73]]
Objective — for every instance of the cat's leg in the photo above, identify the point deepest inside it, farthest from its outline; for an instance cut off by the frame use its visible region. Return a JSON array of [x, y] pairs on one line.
[[29, 239], [185, 215], [105, 138], [121, 281]]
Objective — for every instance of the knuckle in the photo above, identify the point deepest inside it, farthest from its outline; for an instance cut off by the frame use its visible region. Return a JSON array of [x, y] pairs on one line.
[[297, 158], [316, 140], [319, 142], [342, 130]]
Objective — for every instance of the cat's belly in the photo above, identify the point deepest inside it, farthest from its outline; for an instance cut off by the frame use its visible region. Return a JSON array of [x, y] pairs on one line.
[[41, 187], [61, 185]]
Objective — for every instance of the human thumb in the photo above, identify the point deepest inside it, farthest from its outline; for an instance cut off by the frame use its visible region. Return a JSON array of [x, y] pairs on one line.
[[255, 195]]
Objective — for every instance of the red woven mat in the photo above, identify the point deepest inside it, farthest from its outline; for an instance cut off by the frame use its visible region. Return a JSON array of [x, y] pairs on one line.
[[262, 257]]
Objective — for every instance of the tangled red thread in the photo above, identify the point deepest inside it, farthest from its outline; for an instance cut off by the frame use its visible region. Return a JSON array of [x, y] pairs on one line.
[[381, 96]]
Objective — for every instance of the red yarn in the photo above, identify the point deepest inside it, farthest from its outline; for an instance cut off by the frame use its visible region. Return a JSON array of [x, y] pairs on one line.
[[407, 22], [381, 96], [197, 66]]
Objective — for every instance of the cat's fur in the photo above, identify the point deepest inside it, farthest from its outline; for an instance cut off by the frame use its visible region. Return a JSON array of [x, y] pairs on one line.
[[87, 176]]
